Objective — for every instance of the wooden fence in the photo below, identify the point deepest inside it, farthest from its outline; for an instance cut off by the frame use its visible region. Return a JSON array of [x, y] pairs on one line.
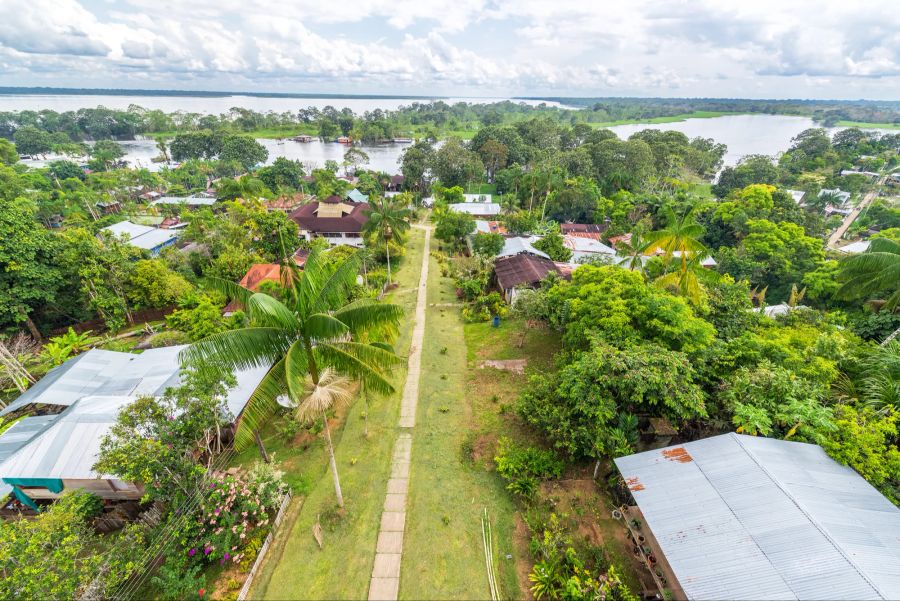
[[245, 590]]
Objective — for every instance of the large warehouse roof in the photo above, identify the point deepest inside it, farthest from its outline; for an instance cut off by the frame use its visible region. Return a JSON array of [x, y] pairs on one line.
[[743, 517]]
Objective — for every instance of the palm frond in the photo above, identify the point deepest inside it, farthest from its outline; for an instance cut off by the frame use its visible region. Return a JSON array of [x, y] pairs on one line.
[[331, 391], [333, 292], [231, 290], [367, 314], [240, 349], [296, 370], [261, 406], [322, 326], [267, 311], [362, 362]]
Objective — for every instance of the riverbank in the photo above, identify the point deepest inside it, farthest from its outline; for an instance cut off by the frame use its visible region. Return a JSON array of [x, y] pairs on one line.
[[669, 119], [864, 125]]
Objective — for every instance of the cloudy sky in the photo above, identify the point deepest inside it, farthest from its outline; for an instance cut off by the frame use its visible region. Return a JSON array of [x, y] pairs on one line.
[[721, 48]]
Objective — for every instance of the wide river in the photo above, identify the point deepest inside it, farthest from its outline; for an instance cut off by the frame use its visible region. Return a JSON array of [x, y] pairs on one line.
[[743, 134]]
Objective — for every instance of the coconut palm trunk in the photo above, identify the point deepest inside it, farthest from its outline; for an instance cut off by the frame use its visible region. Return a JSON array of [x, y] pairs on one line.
[[332, 461]]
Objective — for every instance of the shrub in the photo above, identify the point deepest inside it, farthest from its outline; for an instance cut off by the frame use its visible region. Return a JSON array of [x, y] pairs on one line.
[[524, 467], [484, 307], [169, 338]]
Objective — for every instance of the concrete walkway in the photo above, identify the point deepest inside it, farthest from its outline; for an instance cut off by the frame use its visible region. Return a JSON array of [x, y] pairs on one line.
[[385, 583]]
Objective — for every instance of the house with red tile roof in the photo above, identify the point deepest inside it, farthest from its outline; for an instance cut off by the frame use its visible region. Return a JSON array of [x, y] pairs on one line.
[[338, 220]]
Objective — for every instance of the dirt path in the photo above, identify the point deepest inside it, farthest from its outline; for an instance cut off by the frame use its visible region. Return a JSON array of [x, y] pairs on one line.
[[848, 221]]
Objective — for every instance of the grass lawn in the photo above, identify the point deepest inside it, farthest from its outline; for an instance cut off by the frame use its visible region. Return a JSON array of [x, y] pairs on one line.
[[461, 412], [864, 125], [670, 119], [296, 567]]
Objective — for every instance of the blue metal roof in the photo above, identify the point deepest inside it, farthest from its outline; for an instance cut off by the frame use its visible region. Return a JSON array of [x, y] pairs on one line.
[[743, 517]]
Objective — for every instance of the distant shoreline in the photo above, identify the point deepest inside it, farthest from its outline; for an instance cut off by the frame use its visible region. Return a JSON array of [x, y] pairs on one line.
[[45, 91]]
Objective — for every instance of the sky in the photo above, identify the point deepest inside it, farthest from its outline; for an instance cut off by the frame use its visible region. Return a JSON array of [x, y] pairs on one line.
[[691, 48]]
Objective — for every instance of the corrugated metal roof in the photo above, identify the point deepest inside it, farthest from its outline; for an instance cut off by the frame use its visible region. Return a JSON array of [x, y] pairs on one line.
[[521, 244], [743, 517]]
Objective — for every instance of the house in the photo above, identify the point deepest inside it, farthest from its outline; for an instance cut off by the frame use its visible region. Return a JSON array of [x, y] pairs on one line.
[[837, 194], [337, 220], [287, 204], [797, 196], [584, 248], [143, 236], [188, 201], [252, 280], [584, 230], [860, 246], [523, 270], [81, 399], [489, 227], [521, 244], [396, 183], [482, 210], [110, 206], [706, 261], [869, 174], [749, 517], [357, 196], [150, 195]]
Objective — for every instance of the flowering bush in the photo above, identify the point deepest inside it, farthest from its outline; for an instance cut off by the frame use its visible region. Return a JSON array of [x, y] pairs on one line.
[[235, 507]]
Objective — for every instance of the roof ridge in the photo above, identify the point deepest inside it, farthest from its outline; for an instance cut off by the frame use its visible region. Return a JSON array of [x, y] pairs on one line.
[[813, 521]]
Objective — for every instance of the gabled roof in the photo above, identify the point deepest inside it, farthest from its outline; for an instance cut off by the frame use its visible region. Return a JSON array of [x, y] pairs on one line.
[[357, 196], [307, 217], [476, 208], [142, 236], [522, 269], [746, 517], [194, 201]]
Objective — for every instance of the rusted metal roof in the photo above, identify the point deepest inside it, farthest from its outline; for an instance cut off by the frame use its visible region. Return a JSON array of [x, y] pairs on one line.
[[744, 517], [522, 269]]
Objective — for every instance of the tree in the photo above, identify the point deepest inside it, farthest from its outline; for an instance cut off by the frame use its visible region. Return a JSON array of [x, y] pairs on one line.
[[554, 245], [196, 145], [52, 556], [152, 284], [752, 169], [487, 244], [282, 173], [63, 170], [455, 165], [387, 219], [313, 330], [453, 227], [415, 162], [8, 152], [620, 307], [874, 273], [243, 150], [31, 140], [29, 271], [581, 408], [356, 158], [633, 250], [106, 152]]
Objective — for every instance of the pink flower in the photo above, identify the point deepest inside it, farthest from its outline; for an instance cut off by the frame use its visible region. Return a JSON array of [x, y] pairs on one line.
[[192, 552]]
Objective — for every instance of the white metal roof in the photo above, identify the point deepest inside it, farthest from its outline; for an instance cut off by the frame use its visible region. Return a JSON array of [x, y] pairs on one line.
[[476, 208], [521, 244], [133, 230], [187, 200], [860, 246], [580, 246], [744, 517], [142, 236]]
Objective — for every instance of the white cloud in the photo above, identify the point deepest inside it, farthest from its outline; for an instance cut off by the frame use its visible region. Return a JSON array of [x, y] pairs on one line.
[[563, 47]]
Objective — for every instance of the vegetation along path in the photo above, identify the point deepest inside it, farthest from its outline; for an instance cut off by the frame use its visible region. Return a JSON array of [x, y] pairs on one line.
[[385, 582]]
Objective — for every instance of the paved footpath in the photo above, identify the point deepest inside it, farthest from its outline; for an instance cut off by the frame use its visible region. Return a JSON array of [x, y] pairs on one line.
[[385, 583]]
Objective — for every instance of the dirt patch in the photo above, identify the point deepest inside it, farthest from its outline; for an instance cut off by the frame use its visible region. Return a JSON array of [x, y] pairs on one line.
[[523, 561], [484, 449], [516, 366]]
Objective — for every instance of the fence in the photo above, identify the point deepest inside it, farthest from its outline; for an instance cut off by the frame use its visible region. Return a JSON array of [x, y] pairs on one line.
[[98, 325], [262, 551]]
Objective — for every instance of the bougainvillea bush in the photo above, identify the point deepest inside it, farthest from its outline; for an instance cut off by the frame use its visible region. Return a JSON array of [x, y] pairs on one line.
[[233, 510]]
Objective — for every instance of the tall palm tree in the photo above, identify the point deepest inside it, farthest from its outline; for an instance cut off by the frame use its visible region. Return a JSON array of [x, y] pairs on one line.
[[310, 339], [681, 236], [387, 219], [688, 279], [874, 273]]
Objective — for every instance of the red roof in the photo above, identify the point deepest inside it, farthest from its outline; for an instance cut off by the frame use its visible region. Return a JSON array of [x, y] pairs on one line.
[[352, 222], [259, 273], [397, 179], [287, 203]]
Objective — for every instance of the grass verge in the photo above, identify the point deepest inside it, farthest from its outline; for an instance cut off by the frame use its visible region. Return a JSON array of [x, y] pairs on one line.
[[296, 568], [864, 125]]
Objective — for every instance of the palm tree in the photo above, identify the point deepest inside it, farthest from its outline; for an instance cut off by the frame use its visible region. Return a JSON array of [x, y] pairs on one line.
[[310, 340], [874, 273], [387, 219], [680, 239], [633, 250]]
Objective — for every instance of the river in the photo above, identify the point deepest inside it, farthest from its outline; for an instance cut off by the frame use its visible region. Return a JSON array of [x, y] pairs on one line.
[[743, 134]]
